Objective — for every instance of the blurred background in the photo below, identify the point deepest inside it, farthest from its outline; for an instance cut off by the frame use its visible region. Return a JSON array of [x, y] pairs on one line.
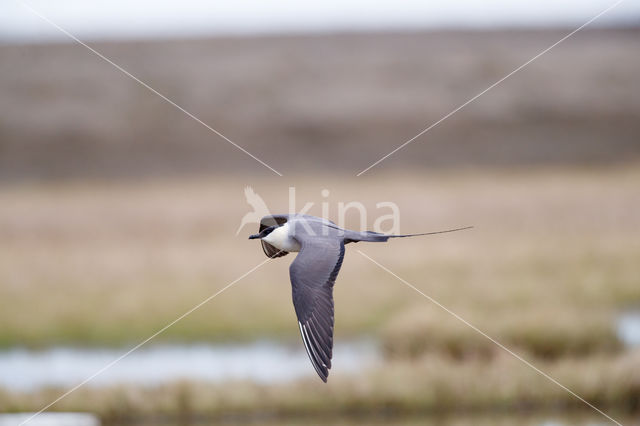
[[118, 212]]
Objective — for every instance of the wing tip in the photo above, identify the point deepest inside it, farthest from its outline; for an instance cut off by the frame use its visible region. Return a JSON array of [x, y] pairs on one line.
[[321, 368]]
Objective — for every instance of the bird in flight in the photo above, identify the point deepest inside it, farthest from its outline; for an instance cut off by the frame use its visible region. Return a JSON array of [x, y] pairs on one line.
[[313, 272]]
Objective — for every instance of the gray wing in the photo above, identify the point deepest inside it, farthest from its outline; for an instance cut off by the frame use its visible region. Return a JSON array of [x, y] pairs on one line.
[[266, 222], [313, 274]]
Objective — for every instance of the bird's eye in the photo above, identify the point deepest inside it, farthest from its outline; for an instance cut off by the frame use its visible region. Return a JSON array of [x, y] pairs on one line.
[[268, 230]]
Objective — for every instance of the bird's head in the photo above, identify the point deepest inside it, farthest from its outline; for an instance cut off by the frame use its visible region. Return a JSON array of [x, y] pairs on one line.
[[263, 233]]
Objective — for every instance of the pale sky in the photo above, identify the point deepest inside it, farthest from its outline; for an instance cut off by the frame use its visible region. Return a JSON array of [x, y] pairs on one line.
[[121, 19]]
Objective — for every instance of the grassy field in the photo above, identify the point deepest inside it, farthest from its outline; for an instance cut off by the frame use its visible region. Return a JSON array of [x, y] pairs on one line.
[[96, 263], [552, 260]]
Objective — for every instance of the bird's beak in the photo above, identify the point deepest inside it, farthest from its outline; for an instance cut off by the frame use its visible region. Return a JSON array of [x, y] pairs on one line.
[[254, 236]]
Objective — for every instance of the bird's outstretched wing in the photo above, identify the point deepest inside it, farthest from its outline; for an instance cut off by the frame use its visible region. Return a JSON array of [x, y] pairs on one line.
[[265, 222], [313, 274]]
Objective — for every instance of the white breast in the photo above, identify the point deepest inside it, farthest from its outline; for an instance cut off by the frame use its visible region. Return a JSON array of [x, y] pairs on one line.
[[280, 239]]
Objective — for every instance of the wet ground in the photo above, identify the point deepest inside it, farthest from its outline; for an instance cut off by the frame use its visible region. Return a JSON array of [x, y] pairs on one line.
[[262, 362]]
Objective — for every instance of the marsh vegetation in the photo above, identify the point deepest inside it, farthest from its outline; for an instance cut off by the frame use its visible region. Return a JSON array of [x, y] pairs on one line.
[[91, 264], [118, 214]]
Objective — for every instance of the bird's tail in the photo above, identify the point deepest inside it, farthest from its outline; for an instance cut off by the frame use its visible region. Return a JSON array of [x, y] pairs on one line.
[[376, 237]]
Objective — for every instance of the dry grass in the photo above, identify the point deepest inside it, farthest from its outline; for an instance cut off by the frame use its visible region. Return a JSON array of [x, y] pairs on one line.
[[427, 386], [551, 261], [111, 263], [419, 330]]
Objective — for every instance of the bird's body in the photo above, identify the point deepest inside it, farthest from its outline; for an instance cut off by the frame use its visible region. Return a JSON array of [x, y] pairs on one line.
[[313, 272]]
